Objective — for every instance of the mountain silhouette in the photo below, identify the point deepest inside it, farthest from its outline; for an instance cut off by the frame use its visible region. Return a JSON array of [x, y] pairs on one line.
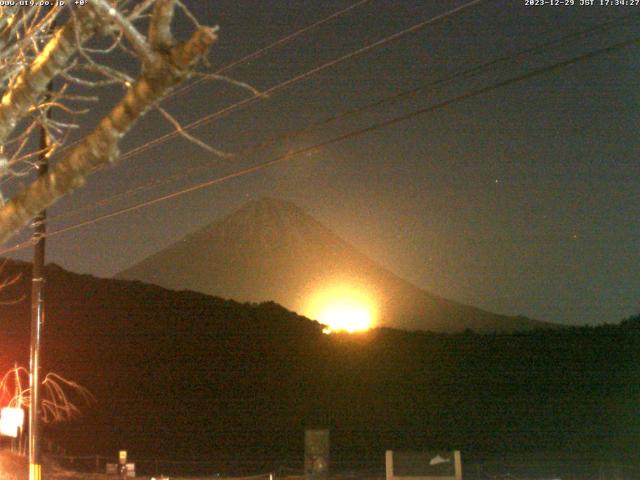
[[271, 250]]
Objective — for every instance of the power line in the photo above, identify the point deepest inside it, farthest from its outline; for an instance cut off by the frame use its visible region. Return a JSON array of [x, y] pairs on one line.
[[271, 46], [468, 73], [291, 81], [208, 118], [247, 58], [341, 138], [412, 29]]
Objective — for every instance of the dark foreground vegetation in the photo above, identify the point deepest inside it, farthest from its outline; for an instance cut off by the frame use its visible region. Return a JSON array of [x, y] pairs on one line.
[[184, 375]]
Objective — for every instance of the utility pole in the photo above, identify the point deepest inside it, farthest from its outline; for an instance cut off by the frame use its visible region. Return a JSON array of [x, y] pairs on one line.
[[37, 296], [37, 310]]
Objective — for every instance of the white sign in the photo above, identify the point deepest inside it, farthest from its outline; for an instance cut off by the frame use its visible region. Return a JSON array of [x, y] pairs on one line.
[[425, 465], [11, 420]]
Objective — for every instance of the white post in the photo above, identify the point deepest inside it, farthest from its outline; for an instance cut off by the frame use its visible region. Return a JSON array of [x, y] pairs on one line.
[[389, 464], [458, 464]]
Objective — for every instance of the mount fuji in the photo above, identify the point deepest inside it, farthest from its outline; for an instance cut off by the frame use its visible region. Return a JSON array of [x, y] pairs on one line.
[[271, 250]]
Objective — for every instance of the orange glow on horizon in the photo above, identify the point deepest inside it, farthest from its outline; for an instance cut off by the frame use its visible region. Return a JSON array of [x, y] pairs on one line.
[[343, 308]]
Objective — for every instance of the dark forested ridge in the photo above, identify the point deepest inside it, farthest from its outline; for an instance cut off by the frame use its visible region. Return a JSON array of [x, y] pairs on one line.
[[182, 374]]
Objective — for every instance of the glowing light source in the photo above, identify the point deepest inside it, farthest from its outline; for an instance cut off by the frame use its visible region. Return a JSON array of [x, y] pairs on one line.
[[343, 308], [11, 420], [345, 317]]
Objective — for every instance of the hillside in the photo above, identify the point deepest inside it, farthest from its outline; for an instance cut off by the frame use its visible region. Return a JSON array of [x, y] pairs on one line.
[[184, 375], [270, 250]]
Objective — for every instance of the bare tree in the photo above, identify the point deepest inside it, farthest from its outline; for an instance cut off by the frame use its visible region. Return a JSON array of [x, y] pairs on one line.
[[62, 399], [73, 45]]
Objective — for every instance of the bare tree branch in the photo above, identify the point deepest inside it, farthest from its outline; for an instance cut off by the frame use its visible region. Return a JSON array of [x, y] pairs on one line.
[[137, 40], [182, 132], [160, 34], [100, 148], [30, 86]]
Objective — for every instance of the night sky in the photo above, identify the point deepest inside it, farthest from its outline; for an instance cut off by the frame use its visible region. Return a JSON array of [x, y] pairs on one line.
[[523, 200]]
